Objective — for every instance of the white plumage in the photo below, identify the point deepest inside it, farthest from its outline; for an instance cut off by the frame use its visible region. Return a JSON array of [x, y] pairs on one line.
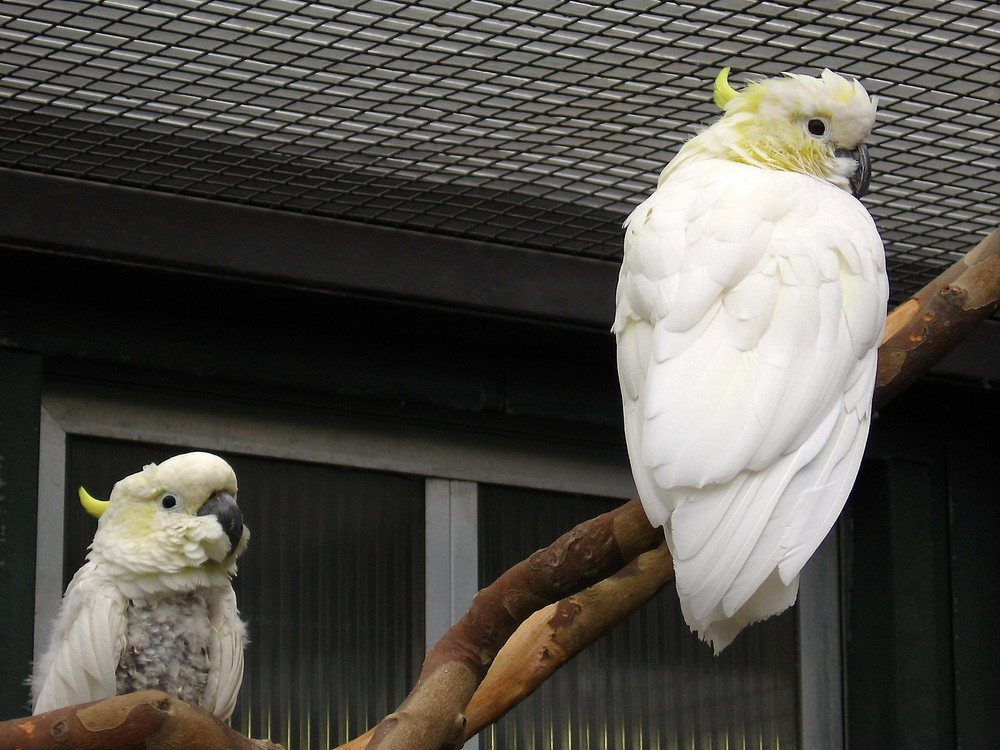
[[153, 606], [751, 302]]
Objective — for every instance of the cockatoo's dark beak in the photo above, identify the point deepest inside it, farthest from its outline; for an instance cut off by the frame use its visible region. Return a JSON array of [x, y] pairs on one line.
[[863, 174], [223, 506]]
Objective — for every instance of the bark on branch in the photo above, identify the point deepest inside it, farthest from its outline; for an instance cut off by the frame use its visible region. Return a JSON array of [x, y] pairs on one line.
[[150, 720], [432, 715], [555, 634], [928, 325]]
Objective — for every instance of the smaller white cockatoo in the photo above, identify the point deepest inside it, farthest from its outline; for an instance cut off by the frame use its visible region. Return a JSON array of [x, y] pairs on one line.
[[750, 305], [153, 607]]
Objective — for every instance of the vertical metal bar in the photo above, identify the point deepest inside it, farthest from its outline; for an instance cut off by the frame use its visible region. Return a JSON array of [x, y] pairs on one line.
[[820, 677], [437, 560], [452, 557], [51, 527], [464, 547]]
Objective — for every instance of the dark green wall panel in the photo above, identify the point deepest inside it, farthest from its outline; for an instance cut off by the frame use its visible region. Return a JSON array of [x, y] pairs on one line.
[[922, 558], [20, 386]]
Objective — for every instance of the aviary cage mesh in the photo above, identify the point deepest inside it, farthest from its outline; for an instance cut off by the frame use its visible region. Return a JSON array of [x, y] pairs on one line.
[[534, 123]]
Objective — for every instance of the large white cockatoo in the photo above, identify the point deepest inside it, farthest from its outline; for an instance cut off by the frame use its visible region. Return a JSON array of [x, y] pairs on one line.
[[153, 607], [750, 305]]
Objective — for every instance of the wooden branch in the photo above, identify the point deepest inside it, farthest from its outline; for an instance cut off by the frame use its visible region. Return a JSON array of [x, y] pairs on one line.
[[553, 635], [431, 716], [929, 324], [150, 720]]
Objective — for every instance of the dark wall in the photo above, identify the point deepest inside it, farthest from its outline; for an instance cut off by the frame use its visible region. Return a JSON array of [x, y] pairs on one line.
[[921, 554], [92, 318], [922, 561], [72, 317], [20, 402]]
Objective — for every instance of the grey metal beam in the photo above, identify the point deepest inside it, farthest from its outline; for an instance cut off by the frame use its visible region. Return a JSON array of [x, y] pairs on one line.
[[163, 230]]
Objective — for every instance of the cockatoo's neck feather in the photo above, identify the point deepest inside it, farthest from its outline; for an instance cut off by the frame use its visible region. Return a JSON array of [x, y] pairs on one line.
[[143, 586], [766, 125]]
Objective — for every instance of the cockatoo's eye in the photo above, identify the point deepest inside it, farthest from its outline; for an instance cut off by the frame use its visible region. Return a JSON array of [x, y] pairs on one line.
[[171, 501], [817, 127]]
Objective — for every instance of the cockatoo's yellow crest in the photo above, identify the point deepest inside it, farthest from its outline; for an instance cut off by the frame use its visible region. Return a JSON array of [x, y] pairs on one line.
[[91, 504], [724, 93]]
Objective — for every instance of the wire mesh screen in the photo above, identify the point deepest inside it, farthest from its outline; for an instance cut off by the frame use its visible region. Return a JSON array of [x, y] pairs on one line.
[[536, 123]]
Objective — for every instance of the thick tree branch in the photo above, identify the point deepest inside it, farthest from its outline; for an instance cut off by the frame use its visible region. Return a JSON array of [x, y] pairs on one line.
[[553, 635], [150, 720], [928, 325]]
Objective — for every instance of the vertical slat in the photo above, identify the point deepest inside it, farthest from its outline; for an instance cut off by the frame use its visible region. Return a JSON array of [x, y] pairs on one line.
[[334, 594], [820, 678], [51, 527], [437, 535], [974, 507], [464, 546], [899, 607], [451, 557]]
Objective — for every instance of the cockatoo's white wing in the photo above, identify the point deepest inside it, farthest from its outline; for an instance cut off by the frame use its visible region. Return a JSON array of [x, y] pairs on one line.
[[85, 647], [225, 655], [749, 305]]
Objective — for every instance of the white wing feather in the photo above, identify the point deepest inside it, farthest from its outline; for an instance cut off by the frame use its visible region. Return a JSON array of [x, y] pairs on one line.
[[225, 673], [750, 304], [86, 645]]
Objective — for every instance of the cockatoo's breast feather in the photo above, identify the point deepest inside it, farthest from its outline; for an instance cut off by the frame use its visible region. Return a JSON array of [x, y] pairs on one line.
[[166, 646], [750, 303]]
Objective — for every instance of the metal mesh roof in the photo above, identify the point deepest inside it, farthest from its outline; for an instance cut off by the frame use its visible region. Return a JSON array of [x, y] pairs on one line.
[[535, 123]]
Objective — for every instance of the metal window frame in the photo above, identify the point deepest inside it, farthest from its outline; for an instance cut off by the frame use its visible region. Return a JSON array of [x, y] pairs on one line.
[[453, 462], [461, 458]]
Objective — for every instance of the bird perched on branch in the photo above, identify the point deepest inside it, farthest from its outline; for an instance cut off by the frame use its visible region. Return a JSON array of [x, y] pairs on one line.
[[153, 606], [750, 305]]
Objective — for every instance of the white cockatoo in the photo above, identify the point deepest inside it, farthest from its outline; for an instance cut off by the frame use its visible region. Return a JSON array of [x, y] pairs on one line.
[[153, 606], [750, 305]]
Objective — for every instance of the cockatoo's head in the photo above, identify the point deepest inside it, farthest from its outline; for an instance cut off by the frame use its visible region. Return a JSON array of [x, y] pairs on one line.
[[170, 520], [798, 123]]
